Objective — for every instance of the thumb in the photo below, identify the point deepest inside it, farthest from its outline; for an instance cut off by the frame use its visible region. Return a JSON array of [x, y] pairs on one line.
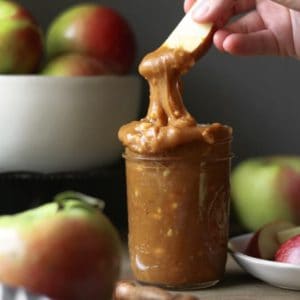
[[293, 4]]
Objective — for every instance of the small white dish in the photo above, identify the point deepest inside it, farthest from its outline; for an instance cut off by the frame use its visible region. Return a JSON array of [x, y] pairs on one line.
[[278, 274]]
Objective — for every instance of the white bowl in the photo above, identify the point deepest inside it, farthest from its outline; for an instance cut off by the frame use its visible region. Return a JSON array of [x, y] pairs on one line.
[[12, 293], [275, 273], [58, 124]]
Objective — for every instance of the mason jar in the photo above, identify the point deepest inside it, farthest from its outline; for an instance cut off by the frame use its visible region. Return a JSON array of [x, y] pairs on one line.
[[178, 214]]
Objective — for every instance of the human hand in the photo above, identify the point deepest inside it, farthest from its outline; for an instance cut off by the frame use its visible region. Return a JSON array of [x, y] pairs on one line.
[[264, 27]]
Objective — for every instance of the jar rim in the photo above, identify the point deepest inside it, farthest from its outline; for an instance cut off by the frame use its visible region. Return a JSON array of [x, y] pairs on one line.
[[140, 157]]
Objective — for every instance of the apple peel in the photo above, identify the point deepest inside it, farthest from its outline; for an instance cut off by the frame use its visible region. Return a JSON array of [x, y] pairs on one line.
[[289, 251]]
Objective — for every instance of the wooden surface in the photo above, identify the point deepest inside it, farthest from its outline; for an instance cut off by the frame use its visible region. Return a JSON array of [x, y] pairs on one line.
[[236, 285]]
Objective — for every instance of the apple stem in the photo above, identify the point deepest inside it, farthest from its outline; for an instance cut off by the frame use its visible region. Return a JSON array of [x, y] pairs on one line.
[[62, 198]]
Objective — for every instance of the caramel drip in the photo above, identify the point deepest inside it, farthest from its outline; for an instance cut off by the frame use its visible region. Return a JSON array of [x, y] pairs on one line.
[[167, 124], [163, 69]]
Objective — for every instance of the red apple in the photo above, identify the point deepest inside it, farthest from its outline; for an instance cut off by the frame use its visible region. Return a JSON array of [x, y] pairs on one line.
[[289, 252], [289, 187], [95, 31], [264, 242], [67, 250], [75, 65], [21, 45]]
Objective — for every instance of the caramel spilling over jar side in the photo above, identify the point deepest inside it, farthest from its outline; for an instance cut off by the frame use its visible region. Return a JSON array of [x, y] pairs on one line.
[[177, 174]]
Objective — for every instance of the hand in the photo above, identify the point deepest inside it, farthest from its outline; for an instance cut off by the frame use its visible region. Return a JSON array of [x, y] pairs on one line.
[[264, 27]]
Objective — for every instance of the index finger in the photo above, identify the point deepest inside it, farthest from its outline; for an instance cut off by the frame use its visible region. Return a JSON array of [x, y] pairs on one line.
[[220, 11]]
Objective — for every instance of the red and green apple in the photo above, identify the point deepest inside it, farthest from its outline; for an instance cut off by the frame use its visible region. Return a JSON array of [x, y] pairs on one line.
[[95, 31], [266, 189], [67, 249], [21, 43], [75, 65]]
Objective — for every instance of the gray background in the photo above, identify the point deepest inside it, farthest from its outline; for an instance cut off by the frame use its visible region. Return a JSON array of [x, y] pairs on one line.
[[258, 96]]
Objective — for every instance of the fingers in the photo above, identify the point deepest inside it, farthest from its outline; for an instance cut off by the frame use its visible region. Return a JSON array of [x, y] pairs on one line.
[[215, 11], [218, 11], [293, 4], [261, 42], [251, 22]]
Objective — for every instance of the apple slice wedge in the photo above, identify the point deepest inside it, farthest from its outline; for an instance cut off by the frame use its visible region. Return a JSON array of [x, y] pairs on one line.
[[289, 251], [264, 243], [190, 36], [287, 234]]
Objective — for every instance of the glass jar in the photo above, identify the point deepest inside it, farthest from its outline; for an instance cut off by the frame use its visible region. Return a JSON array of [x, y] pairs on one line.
[[178, 214]]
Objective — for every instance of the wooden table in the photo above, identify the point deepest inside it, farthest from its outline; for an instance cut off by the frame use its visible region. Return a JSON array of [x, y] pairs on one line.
[[236, 285]]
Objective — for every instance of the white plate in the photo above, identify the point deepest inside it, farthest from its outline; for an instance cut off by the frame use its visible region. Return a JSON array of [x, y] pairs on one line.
[[282, 275]]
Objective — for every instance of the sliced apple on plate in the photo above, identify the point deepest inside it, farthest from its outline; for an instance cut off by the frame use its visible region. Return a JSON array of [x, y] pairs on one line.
[[190, 36], [264, 242], [289, 251], [287, 234]]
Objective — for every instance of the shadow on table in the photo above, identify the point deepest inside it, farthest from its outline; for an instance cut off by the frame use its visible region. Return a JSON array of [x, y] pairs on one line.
[[234, 278]]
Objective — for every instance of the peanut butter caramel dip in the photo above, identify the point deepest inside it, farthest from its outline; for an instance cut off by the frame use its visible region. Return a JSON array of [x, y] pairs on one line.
[[167, 124]]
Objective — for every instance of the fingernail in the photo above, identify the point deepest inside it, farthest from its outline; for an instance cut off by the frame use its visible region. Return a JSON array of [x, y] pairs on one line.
[[201, 10]]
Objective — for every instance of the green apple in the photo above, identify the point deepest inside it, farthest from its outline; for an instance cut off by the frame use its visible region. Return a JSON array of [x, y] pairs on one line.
[[66, 249], [75, 65], [21, 44], [96, 31], [266, 189]]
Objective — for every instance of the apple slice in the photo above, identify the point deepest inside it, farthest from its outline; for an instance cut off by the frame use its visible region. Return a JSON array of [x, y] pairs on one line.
[[192, 37], [264, 243], [289, 252], [287, 234]]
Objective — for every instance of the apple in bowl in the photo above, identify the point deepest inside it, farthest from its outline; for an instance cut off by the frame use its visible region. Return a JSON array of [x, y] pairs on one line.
[[21, 43], [75, 64], [95, 31]]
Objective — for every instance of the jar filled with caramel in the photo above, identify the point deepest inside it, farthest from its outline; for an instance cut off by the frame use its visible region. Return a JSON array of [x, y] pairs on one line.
[[178, 209], [177, 174]]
